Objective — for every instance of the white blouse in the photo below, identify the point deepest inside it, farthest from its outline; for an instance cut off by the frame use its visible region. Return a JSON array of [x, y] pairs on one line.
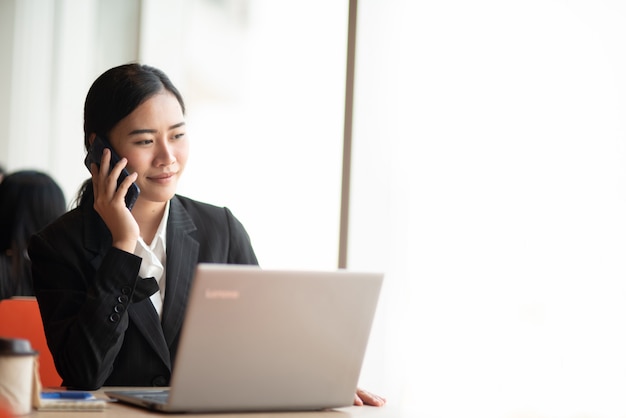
[[153, 260]]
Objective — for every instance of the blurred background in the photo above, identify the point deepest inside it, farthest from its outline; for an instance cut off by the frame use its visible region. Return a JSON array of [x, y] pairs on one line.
[[488, 168]]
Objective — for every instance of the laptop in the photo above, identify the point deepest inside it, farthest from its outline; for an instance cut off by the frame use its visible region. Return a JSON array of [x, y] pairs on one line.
[[267, 340]]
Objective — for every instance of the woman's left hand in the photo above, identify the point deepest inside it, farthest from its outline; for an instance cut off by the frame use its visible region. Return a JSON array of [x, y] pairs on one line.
[[363, 397]]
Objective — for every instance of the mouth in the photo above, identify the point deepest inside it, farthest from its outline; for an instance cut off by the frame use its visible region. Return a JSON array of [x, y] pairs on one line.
[[163, 177]]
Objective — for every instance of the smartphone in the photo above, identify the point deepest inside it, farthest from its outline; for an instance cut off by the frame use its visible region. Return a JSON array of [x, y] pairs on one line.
[[94, 155]]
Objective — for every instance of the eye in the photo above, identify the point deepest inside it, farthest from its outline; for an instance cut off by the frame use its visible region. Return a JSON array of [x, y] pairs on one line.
[[179, 135], [144, 142]]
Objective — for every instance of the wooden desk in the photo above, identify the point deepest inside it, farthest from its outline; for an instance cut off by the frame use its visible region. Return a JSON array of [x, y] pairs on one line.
[[119, 410]]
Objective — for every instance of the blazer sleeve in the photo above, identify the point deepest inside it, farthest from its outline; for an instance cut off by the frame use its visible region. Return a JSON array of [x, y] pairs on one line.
[[221, 236], [240, 250], [84, 309]]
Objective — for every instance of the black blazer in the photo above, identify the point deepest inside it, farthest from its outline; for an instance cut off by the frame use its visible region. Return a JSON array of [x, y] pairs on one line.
[[101, 326]]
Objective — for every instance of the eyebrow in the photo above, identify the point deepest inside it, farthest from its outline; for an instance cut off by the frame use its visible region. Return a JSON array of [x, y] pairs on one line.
[[153, 131]]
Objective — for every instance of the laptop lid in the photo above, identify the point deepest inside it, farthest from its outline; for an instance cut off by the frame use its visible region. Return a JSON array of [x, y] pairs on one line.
[[256, 339]]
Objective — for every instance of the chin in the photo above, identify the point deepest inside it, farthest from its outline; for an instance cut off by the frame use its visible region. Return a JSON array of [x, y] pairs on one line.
[[157, 197]]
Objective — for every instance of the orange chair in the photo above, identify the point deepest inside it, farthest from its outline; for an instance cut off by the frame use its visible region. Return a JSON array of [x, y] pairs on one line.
[[20, 318]]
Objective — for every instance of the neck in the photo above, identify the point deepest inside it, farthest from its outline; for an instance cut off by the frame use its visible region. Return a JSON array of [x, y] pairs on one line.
[[148, 215]]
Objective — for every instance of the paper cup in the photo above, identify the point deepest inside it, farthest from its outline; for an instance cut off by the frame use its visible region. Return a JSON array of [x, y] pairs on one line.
[[17, 362]]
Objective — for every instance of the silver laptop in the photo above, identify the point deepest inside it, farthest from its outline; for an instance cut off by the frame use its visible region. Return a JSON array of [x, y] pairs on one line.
[[268, 340]]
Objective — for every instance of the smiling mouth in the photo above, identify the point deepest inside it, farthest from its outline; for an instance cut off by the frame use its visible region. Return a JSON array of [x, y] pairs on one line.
[[162, 177]]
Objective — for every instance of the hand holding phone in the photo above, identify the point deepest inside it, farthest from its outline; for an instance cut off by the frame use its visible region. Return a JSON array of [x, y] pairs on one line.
[[94, 155]]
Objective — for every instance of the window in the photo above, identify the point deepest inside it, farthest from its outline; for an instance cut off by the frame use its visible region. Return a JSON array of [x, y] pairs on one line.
[[489, 184]]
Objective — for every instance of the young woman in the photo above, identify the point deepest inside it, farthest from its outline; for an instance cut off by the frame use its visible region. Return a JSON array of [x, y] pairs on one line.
[[112, 283]]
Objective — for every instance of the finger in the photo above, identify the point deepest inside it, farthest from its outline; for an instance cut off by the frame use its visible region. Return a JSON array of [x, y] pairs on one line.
[[104, 163], [369, 398], [101, 187], [95, 179], [93, 169], [122, 190], [118, 167], [114, 174], [357, 401]]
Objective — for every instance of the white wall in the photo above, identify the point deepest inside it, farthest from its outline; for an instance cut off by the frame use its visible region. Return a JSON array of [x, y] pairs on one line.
[[263, 82], [53, 53], [489, 184], [7, 11]]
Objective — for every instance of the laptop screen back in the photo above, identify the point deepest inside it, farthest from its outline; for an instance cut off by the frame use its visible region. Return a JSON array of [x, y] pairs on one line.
[[257, 339]]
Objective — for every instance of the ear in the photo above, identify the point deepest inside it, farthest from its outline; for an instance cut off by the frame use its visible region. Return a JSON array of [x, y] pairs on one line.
[[92, 137]]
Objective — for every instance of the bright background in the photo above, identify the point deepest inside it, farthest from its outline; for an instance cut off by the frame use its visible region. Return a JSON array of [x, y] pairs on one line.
[[488, 169], [489, 184]]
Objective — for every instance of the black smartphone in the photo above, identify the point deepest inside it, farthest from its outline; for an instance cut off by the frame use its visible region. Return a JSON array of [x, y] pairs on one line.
[[94, 155]]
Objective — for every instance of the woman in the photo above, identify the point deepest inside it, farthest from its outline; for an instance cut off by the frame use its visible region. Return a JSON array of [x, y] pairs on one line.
[[112, 283], [29, 200]]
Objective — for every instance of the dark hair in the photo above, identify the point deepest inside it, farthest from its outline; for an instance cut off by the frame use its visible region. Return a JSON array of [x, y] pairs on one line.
[[116, 94], [29, 200]]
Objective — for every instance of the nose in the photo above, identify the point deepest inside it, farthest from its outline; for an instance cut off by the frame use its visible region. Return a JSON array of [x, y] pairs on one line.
[[164, 154]]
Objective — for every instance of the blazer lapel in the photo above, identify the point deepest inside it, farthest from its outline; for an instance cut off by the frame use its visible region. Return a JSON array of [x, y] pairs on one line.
[[182, 257], [147, 321]]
